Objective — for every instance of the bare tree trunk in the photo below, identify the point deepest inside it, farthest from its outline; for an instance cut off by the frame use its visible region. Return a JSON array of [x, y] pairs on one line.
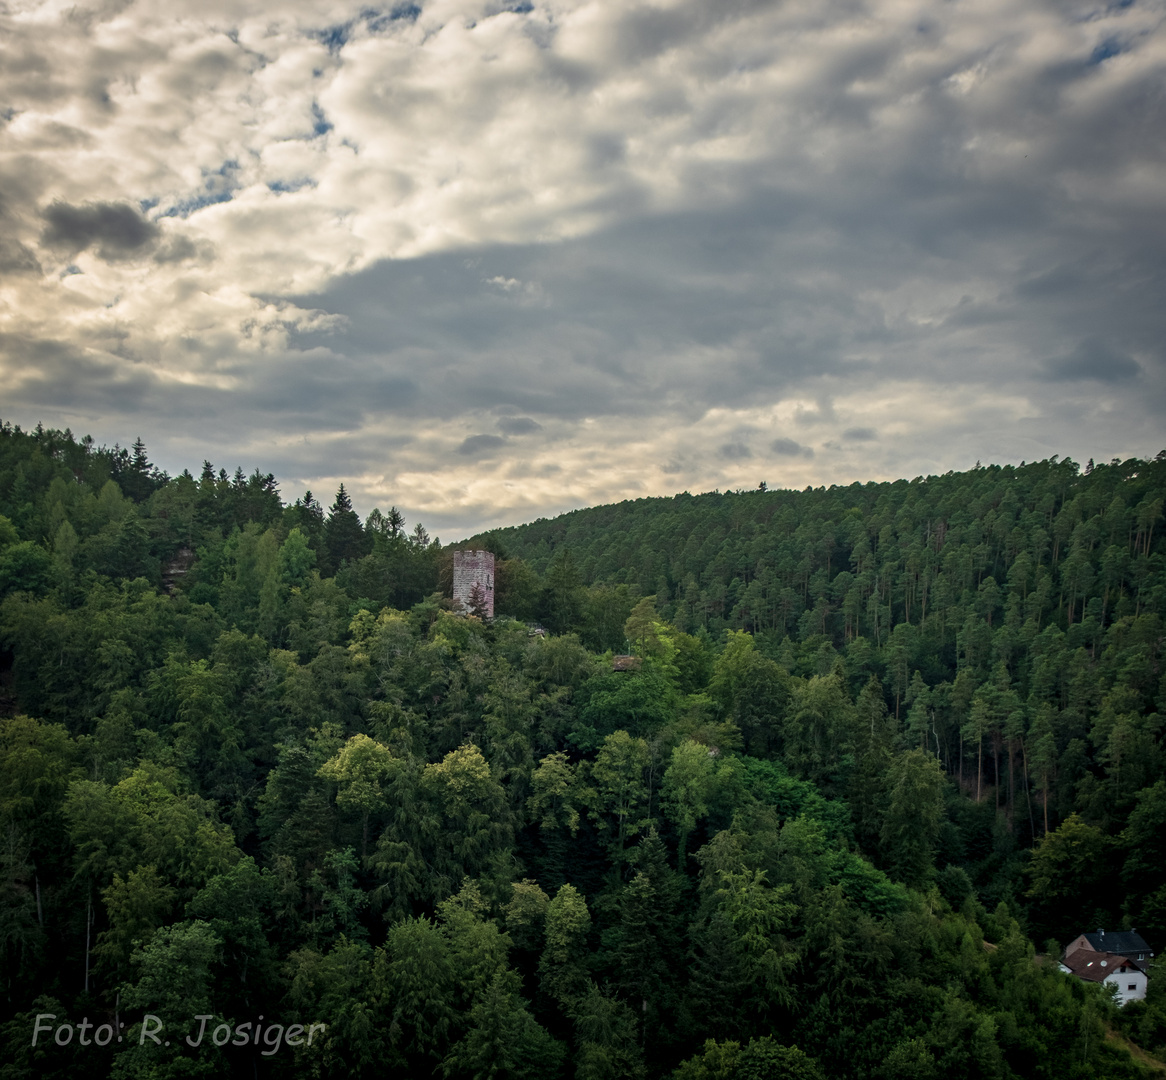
[[1011, 790], [996, 762], [88, 924], [1027, 788]]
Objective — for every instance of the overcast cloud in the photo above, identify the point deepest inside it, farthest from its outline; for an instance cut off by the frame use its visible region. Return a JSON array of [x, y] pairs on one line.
[[488, 261]]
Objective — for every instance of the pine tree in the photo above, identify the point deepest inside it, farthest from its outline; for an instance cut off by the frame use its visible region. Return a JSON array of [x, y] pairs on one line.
[[344, 536], [134, 474]]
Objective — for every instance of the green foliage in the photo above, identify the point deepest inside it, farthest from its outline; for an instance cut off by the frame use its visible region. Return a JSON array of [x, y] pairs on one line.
[[173, 982], [756, 915], [417, 978], [360, 772], [760, 1059], [557, 794], [1070, 870], [144, 820], [911, 825], [24, 567], [621, 794], [136, 907], [606, 1039], [344, 537], [820, 729], [639, 702], [563, 966], [879, 732], [504, 1040], [753, 691], [524, 914]]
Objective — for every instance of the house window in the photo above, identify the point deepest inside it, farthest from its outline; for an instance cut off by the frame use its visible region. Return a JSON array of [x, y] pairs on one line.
[[1132, 986]]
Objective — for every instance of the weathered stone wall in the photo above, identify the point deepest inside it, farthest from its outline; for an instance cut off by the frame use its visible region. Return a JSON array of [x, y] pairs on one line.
[[472, 568]]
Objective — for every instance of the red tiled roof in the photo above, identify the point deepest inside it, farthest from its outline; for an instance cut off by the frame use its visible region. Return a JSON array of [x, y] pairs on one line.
[[1096, 966]]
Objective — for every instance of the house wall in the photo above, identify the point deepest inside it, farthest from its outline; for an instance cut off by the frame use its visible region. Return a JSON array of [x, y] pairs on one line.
[[1123, 981]]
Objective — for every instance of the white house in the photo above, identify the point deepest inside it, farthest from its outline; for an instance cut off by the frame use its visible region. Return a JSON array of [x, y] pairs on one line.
[[1118, 958]]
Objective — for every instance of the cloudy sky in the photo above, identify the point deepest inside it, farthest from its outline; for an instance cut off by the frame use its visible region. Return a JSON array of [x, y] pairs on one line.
[[489, 261]]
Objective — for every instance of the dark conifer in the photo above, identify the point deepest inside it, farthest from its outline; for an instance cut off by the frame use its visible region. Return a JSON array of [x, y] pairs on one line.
[[344, 536]]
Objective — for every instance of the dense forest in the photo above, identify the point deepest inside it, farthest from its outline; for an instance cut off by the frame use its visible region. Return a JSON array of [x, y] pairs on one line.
[[270, 806]]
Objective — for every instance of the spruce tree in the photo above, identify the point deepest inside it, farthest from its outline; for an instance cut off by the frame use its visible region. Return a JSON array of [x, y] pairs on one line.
[[344, 536]]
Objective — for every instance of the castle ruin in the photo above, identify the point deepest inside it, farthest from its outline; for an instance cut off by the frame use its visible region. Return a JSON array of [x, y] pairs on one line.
[[473, 582]]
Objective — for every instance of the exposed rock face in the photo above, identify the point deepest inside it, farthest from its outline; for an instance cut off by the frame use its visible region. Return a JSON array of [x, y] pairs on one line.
[[177, 568]]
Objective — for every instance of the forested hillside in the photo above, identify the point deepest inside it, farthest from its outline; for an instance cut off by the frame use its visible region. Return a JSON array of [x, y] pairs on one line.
[[1013, 616], [882, 744]]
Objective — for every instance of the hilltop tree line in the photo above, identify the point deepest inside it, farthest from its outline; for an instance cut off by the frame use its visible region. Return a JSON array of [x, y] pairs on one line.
[[251, 762], [1013, 616]]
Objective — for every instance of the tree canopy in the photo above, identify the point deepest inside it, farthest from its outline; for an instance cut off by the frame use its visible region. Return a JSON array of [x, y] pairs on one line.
[[878, 745]]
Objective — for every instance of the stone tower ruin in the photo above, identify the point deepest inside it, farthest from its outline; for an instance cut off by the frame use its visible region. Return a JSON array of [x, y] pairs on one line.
[[473, 580]]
